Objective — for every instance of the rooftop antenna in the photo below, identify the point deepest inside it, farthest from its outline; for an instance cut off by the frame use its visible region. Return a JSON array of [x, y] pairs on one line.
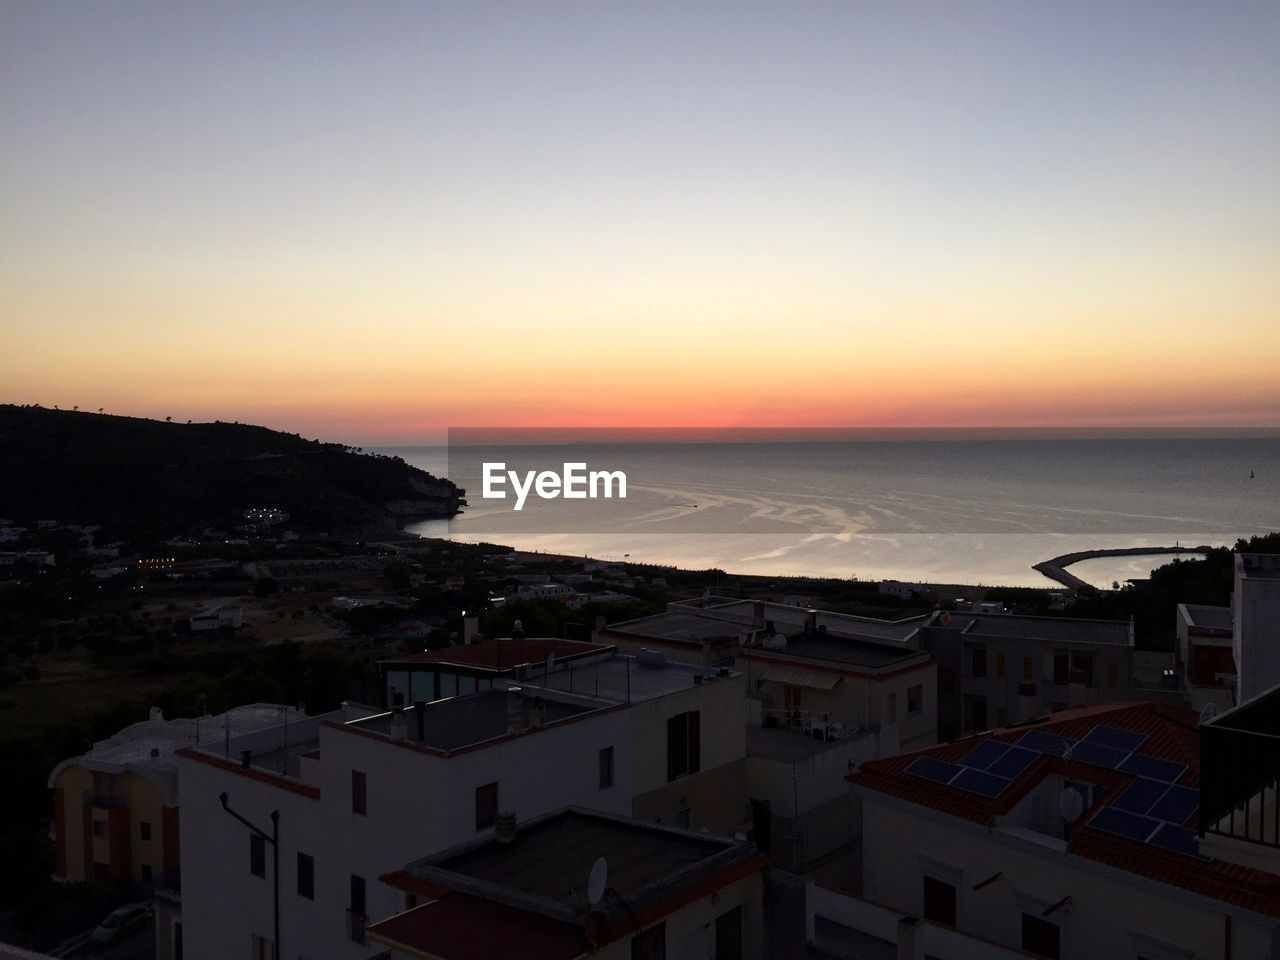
[[597, 881]]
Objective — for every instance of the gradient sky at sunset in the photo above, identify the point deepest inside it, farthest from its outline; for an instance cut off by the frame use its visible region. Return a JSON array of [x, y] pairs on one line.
[[370, 221]]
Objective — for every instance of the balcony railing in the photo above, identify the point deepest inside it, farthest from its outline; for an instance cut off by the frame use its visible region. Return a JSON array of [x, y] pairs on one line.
[[356, 924]]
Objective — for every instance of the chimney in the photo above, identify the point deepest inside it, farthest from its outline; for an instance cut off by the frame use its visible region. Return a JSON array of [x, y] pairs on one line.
[[504, 826], [598, 631], [538, 715], [245, 757], [420, 712], [155, 715], [757, 615], [811, 623], [517, 710], [470, 630]]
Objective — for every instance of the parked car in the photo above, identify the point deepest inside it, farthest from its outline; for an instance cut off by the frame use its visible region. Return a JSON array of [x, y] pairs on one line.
[[121, 922]]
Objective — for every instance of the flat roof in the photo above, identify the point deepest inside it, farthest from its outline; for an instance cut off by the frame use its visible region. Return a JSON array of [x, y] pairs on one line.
[[1207, 618], [624, 678], [1050, 629], [473, 718], [500, 654], [680, 627], [849, 652], [1258, 566]]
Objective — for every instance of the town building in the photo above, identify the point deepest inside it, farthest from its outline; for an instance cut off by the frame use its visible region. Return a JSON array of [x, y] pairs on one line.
[[354, 789], [1255, 608], [115, 808], [1205, 658], [998, 668], [579, 884], [1075, 837]]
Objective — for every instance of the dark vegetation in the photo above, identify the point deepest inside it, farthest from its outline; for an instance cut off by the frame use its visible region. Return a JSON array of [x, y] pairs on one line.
[[147, 479]]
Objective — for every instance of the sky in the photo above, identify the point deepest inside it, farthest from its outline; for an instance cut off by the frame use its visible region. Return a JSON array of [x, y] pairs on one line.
[[371, 222]]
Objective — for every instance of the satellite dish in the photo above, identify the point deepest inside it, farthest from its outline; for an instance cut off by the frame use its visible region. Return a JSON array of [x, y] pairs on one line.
[[597, 881], [1208, 712], [1071, 804]]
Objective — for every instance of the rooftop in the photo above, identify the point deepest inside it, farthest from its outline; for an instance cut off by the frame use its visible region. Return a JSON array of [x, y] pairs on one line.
[[475, 718], [147, 747], [1144, 762], [1049, 629], [532, 890], [626, 679], [1258, 566], [1206, 618], [502, 653]]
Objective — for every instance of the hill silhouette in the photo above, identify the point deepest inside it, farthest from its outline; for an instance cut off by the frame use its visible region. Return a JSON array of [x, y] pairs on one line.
[[149, 477]]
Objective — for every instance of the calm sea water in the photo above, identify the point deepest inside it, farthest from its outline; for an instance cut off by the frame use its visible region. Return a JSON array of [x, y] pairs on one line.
[[959, 511]]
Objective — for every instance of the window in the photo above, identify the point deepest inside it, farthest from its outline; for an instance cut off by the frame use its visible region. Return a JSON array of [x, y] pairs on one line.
[[1026, 668], [99, 828], [486, 805], [684, 745], [606, 767], [306, 876], [729, 935], [1039, 936], [999, 664], [359, 793], [1061, 670], [257, 855], [939, 901], [356, 912], [262, 948], [977, 713], [978, 662], [1082, 669], [651, 944], [144, 830], [101, 871], [1002, 716], [1113, 674], [410, 901], [145, 873], [915, 699]]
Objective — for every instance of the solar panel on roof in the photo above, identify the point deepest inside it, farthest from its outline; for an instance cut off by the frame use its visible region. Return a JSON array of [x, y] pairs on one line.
[[984, 754], [981, 782], [1014, 761], [1178, 839], [1042, 742], [1124, 824], [1177, 804], [1140, 795], [1153, 768], [931, 768], [1096, 755], [1125, 741]]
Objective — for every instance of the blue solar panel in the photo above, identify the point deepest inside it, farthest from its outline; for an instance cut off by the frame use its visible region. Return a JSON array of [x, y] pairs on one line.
[[1177, 839], [1124, 824], [1177, 805], [1096, 755], [931, 768], [981, 782], [1126, 741], [984, 754], [1014, 761], [1042, 742], [1140, 795], [1152, 768]]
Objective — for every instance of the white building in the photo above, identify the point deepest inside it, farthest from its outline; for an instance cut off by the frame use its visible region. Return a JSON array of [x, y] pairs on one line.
[[578, 885], [1075, 837], [1255, 607], [355, 791]]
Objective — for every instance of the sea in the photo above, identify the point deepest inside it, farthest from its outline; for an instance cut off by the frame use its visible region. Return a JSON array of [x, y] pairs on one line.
[[945, 511]]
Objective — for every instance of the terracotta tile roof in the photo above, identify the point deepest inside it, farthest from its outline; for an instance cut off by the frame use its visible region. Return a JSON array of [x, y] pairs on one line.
[[1170, 735], [462, 927]]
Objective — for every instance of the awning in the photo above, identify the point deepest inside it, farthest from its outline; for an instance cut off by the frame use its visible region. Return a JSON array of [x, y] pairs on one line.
[[799, 677]]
